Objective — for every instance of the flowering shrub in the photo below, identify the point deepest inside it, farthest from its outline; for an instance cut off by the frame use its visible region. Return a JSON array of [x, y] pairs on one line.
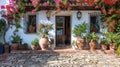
[[110, 8]]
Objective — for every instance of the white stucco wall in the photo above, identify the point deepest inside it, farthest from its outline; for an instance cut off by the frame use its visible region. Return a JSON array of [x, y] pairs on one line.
[[41, 16]]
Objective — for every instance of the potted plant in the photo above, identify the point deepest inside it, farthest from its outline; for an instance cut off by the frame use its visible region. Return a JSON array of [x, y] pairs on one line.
[[1, 47], [15, 42], [51, 43], [92, 41], [44, 29], [111, 38], [118, 45], [23, 46], [35, 44], [103, 44], [79, 31]]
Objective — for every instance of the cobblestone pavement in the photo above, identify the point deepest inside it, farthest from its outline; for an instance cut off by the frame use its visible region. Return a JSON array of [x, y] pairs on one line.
[[54, 59]]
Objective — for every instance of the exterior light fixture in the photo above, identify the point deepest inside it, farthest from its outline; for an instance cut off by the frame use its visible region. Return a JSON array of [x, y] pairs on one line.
[[79, 15]]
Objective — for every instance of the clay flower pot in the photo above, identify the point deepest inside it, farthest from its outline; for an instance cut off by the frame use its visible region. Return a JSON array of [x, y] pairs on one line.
[[92, 45], [80, 42], [44, 42]]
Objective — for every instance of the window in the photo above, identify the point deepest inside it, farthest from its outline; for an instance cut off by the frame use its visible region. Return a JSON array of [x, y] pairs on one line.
[[31, 27], [94, 24]]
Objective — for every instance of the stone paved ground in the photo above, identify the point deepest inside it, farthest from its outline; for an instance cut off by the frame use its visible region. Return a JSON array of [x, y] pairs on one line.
[[56, 59]]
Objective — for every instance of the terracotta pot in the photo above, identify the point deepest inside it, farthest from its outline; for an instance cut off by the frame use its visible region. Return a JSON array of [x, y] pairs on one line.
[[81, 42], [14, 46], [112, 46], [35, 47], [92, 45], [44, 42], [103, 46]]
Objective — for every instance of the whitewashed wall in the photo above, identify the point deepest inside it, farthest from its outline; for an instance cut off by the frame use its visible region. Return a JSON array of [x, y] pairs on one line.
[[41, 17]]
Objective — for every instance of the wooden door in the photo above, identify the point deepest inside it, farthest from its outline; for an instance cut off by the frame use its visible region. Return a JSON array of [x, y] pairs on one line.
[[62, 30]]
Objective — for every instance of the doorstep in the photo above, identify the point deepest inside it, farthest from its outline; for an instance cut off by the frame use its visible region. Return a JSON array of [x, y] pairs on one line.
[[62, 51]]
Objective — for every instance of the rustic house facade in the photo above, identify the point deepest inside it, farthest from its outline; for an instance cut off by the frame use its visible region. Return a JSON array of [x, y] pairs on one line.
[[63, 23]]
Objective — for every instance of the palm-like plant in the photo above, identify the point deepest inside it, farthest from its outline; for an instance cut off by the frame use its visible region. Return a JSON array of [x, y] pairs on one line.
[[44, 29], [111, 37], [92, 37], [80, 29]]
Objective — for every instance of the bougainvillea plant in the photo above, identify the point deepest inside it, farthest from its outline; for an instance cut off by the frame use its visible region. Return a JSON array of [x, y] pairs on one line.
[[110, 12], [110, 8]]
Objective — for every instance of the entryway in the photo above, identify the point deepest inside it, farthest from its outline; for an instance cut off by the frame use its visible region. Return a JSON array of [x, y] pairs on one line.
[[63, 31]]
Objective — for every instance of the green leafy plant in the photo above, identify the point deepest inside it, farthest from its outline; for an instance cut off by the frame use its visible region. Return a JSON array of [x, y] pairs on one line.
[[16, 39], [51, 41], [2, 26], [44, 29], [111, 37], [104, 41], [35, 41], [1, 43], [118, 51], [80, 29], [92, 37]]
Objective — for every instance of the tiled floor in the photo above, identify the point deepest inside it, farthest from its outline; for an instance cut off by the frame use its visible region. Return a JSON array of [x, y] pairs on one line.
[[59, 58]]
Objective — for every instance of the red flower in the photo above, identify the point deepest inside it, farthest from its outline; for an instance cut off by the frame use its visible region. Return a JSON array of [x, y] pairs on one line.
[[103, 10]]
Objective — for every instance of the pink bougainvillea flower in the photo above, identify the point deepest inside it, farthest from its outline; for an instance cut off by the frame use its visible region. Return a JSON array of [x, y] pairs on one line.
[[4, 15], [16, 8], [45, 4], [57, 1], [8, 8], [33, 11], [35, 3], [2, 7], [12, 1]]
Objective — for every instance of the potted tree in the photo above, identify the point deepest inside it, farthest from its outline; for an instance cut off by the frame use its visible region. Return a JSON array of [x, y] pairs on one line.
[[44, 29], [35, 44], [1, 47], [79, 31], [92, 41]]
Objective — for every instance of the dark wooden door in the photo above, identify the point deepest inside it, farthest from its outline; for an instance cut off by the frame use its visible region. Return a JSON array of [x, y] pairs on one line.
[[63, 30]]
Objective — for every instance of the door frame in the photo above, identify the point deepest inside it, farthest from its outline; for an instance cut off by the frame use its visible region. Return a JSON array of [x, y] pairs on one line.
[[56, 29]]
